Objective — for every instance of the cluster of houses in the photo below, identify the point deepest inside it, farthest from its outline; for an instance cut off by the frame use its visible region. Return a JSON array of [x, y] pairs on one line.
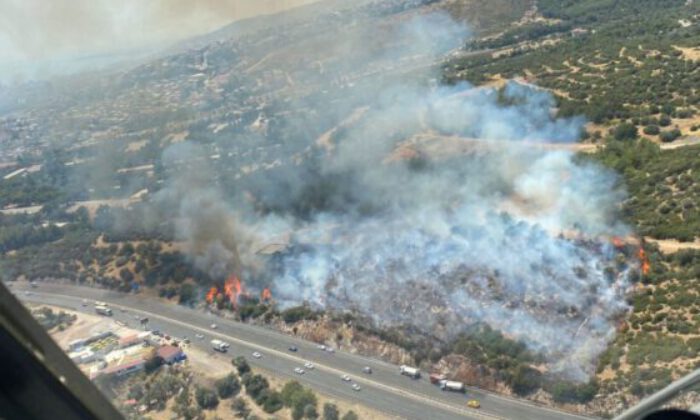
[[106, 353]]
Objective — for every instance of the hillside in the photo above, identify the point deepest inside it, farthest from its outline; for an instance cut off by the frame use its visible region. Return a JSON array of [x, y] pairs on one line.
[[345, 159]]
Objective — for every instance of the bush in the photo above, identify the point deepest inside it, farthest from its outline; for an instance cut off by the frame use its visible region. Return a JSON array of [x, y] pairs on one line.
[[330, 412], [525, 380], [573, 393], [255, 384], [350, 415], [298, 313], [298, 399], [187, 294], [228, 386], [652, 130], [272, 402], [153, 364], [669, 136], [206, 398], [240, 407], [241, 365], [310, 412], [625, 131]]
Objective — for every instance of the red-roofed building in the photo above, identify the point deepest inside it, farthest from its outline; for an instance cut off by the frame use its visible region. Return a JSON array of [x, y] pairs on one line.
[[126, 368], [129, 340], [171, 354]]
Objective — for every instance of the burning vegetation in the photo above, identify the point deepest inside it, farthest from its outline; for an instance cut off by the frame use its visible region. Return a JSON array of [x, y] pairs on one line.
[[233, 294], [426, 243]]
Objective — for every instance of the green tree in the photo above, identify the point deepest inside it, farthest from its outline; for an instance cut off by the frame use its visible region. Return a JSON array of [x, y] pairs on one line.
[[206, 398], [350, 415], [273, 402], [228, 386], [241, 365], [310, 412], [625, 131], [289, 390], [652, 130], [187, 293], [525, 380], [255, 384], [240, 407], [330, 412]]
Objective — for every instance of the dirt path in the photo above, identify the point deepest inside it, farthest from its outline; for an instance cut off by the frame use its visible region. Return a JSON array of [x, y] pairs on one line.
[[670, 246]]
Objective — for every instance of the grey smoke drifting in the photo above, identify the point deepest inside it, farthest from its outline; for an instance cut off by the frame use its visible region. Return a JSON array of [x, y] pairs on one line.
[[504, 235], [200, 215]]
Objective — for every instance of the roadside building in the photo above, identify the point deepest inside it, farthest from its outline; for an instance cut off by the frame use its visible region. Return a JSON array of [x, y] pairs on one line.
[[125, 369], [171, 354]]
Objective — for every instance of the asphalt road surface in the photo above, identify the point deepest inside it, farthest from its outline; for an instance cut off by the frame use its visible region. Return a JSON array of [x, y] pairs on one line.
[[384, 390]]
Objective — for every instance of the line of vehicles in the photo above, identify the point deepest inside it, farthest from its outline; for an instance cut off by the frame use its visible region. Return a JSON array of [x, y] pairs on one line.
[[412, 372], [441, 381]]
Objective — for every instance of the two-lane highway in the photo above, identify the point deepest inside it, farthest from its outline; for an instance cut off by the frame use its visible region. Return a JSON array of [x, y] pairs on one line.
[[384, 390]]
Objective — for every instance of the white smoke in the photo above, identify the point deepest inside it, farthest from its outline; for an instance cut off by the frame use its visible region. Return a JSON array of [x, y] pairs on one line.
[[473, 237], [499, 231]]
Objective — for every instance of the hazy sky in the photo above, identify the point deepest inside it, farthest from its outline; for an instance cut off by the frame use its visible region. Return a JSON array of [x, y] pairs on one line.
[[37, 34]]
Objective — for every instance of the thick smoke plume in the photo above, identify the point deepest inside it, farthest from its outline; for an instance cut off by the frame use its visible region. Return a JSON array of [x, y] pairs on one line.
[[388, 220], [201, 217]]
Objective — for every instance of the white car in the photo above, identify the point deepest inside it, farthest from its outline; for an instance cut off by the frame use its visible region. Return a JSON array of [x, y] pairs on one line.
[[85, 302], [298, 370], [199, 336], [321, 347], [257, 355], [309, 365], [346, 378], [356, 387], [213, 326], [330, 350]]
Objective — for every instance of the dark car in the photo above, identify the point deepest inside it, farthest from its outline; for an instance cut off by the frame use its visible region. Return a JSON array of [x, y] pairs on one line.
[[293, 348], [367, 370]]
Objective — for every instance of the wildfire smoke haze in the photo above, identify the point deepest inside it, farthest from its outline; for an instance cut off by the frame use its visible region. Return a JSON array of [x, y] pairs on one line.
[[435, 244]]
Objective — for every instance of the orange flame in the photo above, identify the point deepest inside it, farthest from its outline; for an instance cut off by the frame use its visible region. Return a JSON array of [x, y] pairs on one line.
[[646, 266], [211, 294], [266, 295], [233, 288]]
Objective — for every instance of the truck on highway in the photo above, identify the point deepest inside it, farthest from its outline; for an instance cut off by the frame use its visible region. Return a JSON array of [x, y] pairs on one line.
[[409, 371], [103, 310], [435, 378], [219, 345], [453, 386]]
